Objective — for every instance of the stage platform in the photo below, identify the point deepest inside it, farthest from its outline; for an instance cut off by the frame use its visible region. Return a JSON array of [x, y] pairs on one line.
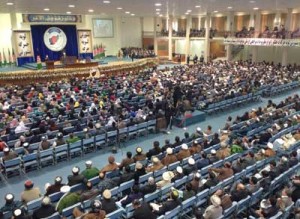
[[189, 119]]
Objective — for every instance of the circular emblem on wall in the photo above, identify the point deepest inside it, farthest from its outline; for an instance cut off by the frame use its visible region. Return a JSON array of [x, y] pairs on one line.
[[55, 39]]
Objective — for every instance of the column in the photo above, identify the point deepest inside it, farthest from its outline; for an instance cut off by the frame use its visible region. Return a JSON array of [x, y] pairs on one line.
[[257, 23], [277, 19], [229, 29], [142, 30], [155, 35], [284, 60], [254, 50], [187, 36], [207, 40], [170, 37], [252, 20], [288, 24]]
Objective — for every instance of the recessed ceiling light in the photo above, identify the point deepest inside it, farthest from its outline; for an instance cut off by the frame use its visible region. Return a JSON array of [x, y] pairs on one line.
[[132, 14], [127, 12], [157, 9], [252, 1], [106, 2], [197, 6], [10, 3], [46, 9], [255, 8], [189, 11], [229, 7], [71, 6], [69, 12], [158, 4], [157, 13], [216, 11], [160, 15], [119, 8], [91, 10]]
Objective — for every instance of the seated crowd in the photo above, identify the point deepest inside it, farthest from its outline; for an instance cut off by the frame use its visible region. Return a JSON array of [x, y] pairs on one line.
[[137, 53], [203, 159]]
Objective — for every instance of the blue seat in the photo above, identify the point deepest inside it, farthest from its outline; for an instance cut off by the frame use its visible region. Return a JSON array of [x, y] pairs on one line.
[[53, 216], [164, 191], [34, 204], [173, 166], [133, 131], [145, 177], [180, 182], [228, 181], [112, 174], [100, 139], [187, 205], [114, 191], [117, 214], [61, 153], [75, 149], [158, 173], [213, 189], [151, 125], [88, 144], [30, 161], [173, 214], [12, 166], [111, 137], [95, 180], [152, 196], [202, 197], [55, 196], [279, 215], [126, 187], [129, 210], [142, 128], [229, 211], [243, 204], [204, 170]]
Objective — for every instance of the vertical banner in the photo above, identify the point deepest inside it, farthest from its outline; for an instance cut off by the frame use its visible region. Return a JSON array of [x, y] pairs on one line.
[[23, 44], [85, 43]]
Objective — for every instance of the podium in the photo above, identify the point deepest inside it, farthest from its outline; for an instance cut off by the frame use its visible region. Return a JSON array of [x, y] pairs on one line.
[[49, 64]]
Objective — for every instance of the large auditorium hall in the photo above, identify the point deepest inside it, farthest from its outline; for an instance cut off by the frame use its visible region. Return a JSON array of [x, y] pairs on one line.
[[145, 109]]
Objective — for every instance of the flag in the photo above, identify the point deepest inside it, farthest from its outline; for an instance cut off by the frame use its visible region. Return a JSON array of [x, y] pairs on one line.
[[13, 57], [0, 59], [4, 58], [39, 63], [9, 57]]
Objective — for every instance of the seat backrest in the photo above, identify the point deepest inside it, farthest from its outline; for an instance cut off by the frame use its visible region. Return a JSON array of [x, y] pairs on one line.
[[173, 213], [116, 214]]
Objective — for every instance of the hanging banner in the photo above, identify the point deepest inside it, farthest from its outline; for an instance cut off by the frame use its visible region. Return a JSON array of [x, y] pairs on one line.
[[263, 42], [85, 41], [51, 18], [23, 44]]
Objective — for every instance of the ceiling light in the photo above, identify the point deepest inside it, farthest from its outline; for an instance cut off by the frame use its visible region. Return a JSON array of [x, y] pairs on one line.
[[10, 3], [216, 11], [127, 12], [158, 4], [119, 8], [71, 6], [69, 12], [189, 11], [197, 6], [106, 2], [229, 7], [157, 9], [132, 14], [157, 13], [252, 1], [46, 9], [160, 15], [91, 10], [255, 8]]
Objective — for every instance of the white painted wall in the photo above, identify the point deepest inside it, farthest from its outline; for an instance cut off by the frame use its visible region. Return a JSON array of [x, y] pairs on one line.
[[196, 47], [180, 46], [148, 24], [6, 34], [131, 32]]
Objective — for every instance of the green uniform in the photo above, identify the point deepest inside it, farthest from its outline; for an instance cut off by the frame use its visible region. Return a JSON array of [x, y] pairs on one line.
[[90, 172], [67, 201]]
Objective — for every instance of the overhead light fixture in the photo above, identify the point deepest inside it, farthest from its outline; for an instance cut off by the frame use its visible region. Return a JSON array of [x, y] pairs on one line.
[[189, 11], [157, 13], [46, 9], [197, 6], [91, 10], [158, 4], [106, 2], [132, 14], [160, 15], [229, 7], [9, 3], [252, 1], [69, 12], [216, 11], [157, 9], [119, 8], [255, 8], [71, 6], [127, 12]]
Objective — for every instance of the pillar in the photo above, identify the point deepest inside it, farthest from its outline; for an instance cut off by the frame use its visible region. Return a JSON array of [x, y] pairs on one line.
[[170, 37], [207, 40], [155, 35], [257, 23], [254, 50], [142, 31], [288, 24], [187, 36], [277, 19], [252, 20], [229, 29], [284, 60]]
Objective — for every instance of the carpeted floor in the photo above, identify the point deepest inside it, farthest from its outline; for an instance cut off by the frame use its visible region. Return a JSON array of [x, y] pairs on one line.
[[41, 177]]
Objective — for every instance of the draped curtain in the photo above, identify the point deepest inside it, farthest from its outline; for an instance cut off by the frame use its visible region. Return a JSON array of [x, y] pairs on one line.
[[39, 47]]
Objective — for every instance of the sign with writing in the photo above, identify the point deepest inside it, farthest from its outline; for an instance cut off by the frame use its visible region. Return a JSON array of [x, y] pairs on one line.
[[51, 18], [263, 42], [23, 43]]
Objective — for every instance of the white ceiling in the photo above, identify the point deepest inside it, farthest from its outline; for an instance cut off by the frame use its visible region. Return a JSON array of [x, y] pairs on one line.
[[144, 7]]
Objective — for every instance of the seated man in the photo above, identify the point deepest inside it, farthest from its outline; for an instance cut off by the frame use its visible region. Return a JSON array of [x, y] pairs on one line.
[[214, 210], [90, 171], [168, 205], [10, 204], [108, 203], [142, 211], [111, 166], [46, 209], [95, 212]]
